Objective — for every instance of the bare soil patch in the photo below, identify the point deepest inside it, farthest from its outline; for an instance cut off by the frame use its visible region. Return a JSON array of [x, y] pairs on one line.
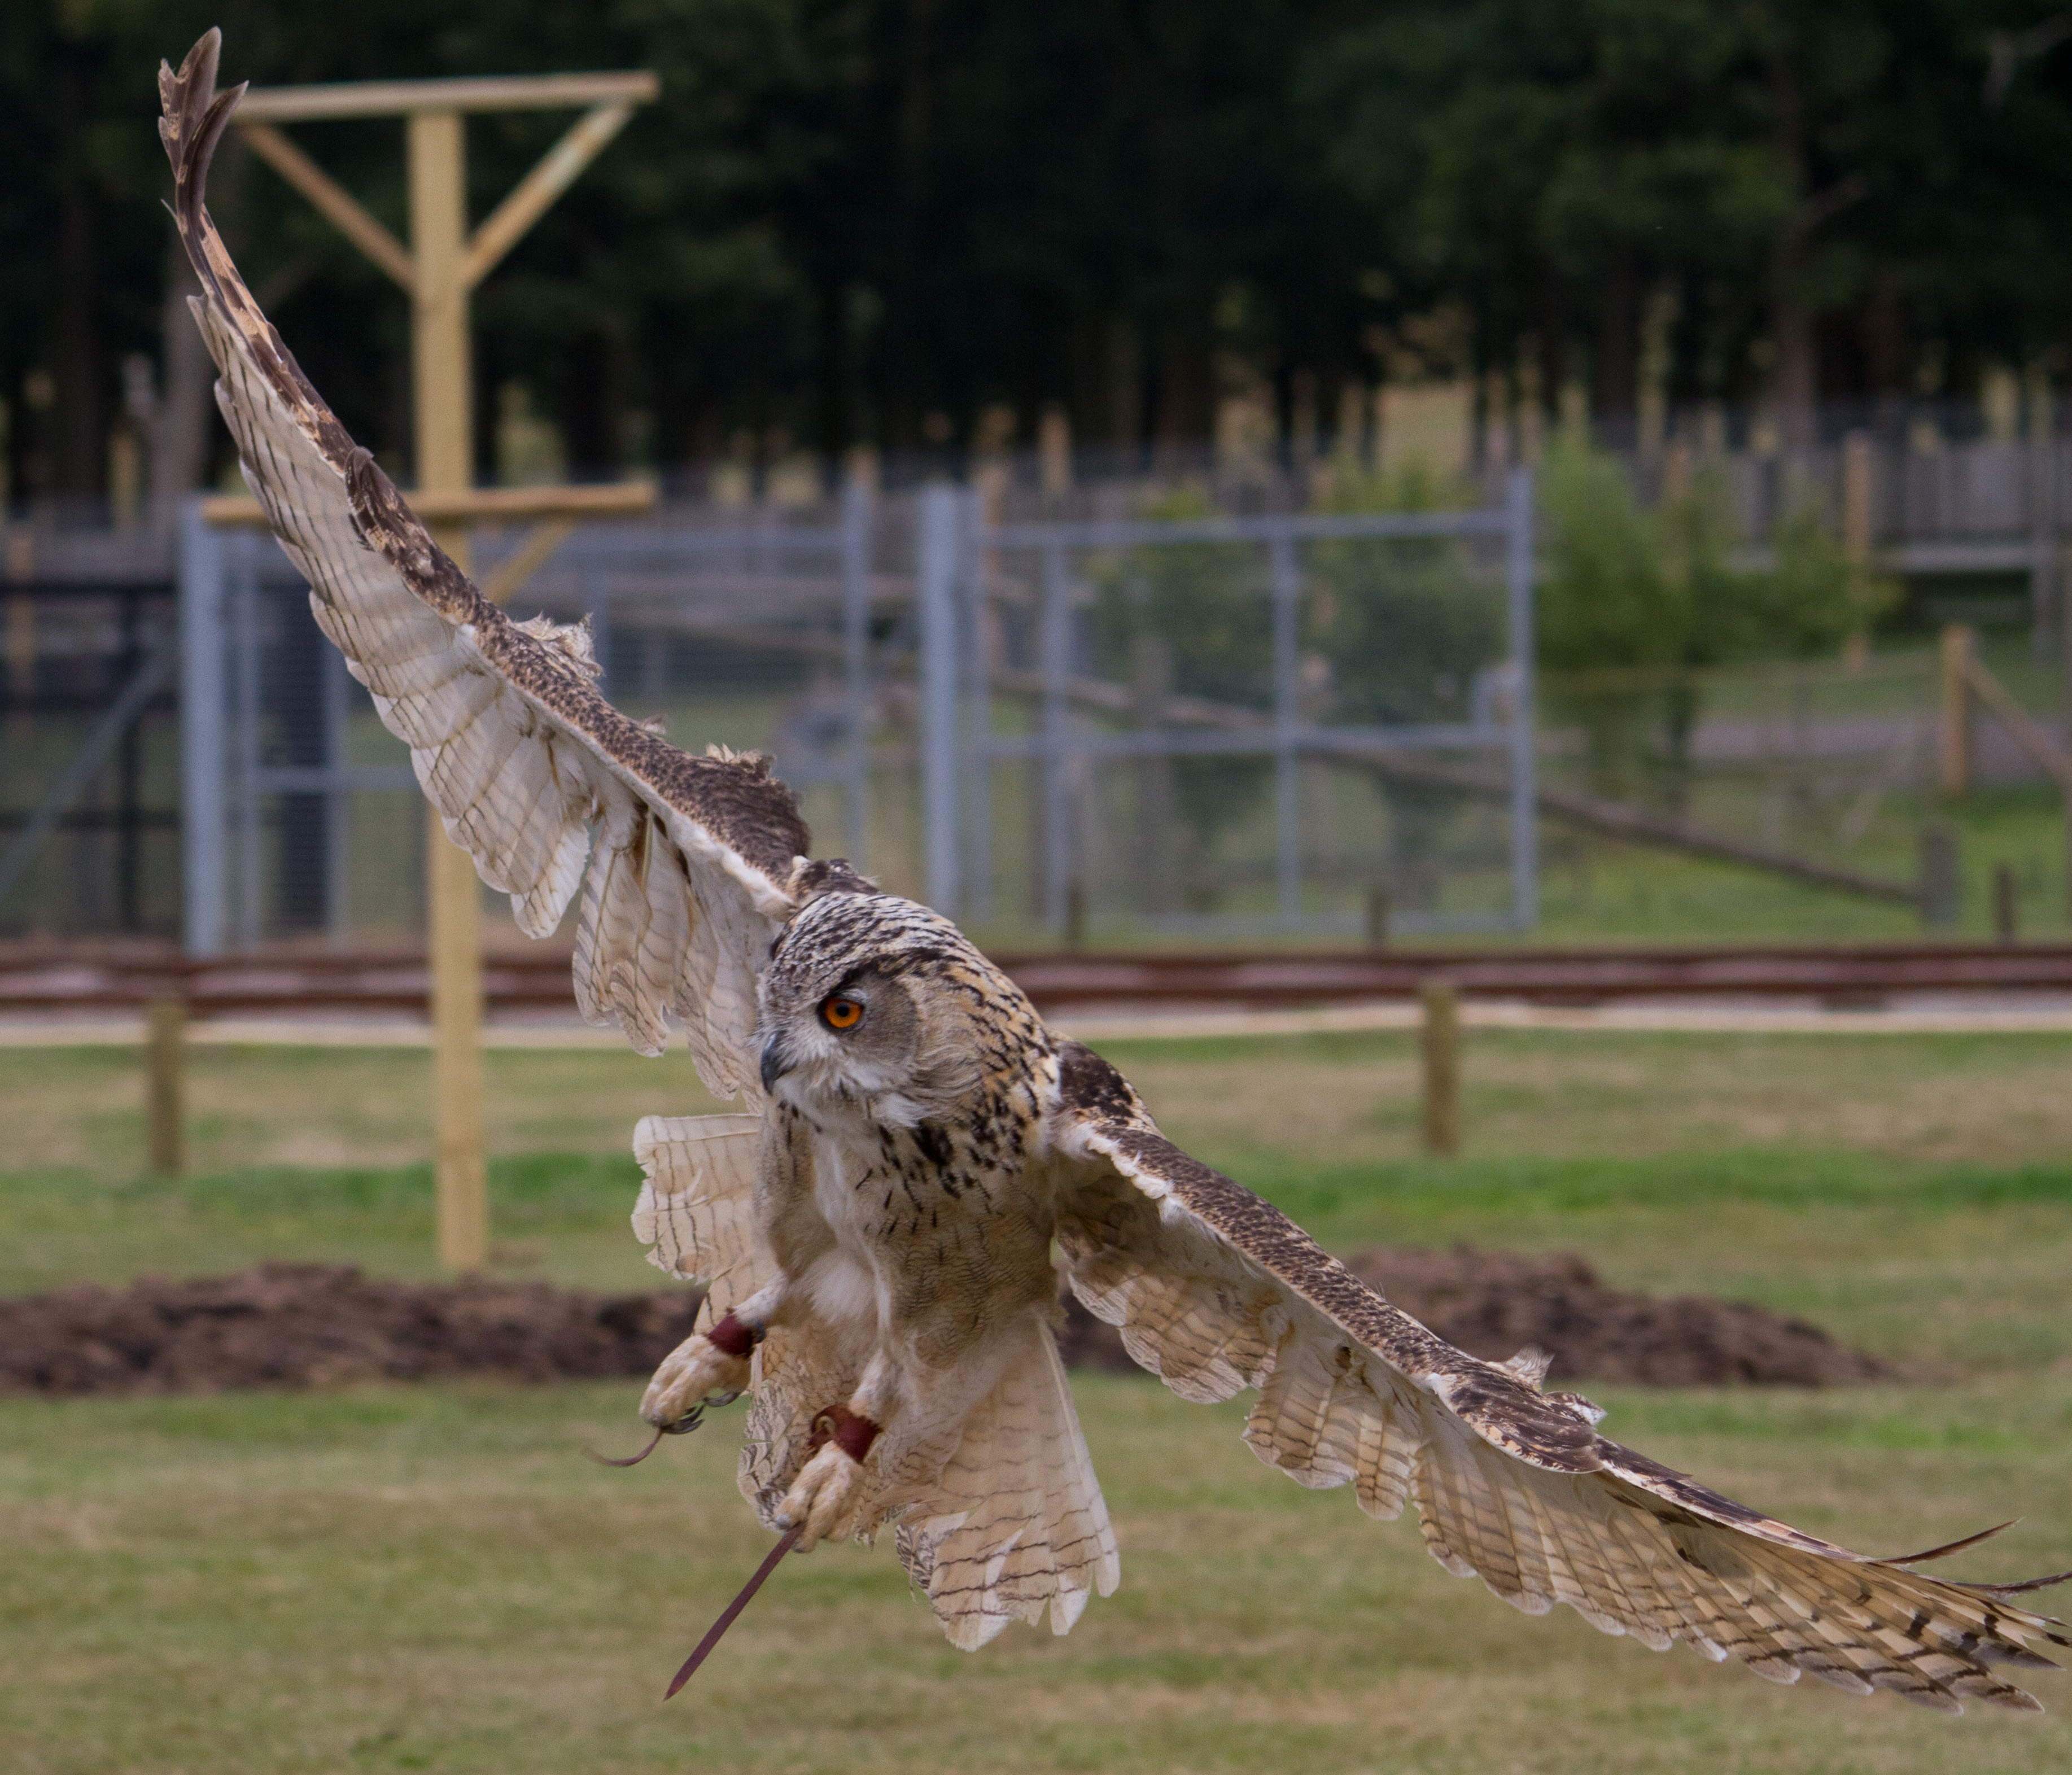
[[322, 1325], [314, 1325]]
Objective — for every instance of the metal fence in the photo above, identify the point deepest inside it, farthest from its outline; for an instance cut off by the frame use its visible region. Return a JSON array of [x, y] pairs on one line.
[[1021, 723], [785, 634], [1208, 725], [88, 803], [1050, 709]]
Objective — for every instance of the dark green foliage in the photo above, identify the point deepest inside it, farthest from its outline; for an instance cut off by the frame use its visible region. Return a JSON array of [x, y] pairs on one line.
[[1405, 623], [849, 219], [1634, 602]]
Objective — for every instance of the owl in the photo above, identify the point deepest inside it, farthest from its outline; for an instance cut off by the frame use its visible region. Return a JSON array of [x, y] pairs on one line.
[[879, 1230]]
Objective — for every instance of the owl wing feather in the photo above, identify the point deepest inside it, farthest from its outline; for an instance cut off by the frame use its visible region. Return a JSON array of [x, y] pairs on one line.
[[1215, 1291], [696, 1207], [686, 865]]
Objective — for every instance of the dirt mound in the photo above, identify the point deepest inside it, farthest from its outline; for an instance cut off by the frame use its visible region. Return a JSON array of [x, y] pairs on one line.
[[1492, 1303], [316, 1325]]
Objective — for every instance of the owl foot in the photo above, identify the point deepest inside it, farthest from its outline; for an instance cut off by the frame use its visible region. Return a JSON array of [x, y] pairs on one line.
[[824, 1497], [709, 1368]]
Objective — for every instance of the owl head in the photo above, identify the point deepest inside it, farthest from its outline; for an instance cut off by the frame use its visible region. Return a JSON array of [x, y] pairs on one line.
[[872, 1004]]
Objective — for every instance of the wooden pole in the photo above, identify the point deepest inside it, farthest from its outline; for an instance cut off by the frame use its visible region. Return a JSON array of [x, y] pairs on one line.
[[2006, 904], [445, 464], [1956, 710], [1442, 1069], [1856, 541], [165, 1052], [1377, 917], [1076, 914]]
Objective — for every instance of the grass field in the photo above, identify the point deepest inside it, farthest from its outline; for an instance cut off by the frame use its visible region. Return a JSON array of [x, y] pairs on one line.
[[392, 1578]]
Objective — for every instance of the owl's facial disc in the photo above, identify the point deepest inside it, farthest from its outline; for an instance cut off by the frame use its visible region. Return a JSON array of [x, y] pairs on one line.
[[855, 1040]]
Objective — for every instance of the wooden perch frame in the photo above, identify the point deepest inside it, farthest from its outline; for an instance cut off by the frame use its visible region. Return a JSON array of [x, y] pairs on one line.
[[476, 504], [611, 99]]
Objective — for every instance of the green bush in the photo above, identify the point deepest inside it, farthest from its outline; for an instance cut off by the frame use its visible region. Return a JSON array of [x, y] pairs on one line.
[[1632, 603]]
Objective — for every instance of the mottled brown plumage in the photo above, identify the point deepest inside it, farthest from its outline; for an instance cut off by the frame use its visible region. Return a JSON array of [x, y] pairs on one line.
[[876, 1229]]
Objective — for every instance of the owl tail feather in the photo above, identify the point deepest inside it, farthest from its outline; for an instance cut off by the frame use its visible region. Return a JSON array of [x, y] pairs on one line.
[[1016, 1523]]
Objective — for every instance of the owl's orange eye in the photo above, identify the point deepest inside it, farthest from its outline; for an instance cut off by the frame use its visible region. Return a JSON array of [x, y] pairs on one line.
[[841, 1013]]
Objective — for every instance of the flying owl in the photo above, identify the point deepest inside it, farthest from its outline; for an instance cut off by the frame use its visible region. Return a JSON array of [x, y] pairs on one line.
[[877, 1229]]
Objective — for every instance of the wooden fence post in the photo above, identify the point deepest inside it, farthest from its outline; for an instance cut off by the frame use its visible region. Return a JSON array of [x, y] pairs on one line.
[[1377, 918], [2006, 904], [165, 1055], [1442, 1069], [1942, 876], [1856, 468], [1956, 710]]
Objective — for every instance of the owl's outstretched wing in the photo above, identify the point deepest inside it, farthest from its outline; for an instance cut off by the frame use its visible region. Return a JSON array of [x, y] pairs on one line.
[[687, 866], [1216, 1291]]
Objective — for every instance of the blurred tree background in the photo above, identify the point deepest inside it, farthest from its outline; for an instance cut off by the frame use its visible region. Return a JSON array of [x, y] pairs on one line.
[[921, 226]]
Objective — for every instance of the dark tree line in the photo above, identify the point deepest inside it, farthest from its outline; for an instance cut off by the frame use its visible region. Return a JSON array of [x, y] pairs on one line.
[[878, 219]]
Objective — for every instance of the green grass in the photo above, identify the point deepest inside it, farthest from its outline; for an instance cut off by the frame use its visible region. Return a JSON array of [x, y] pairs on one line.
[[1598, 890], [562, 1216], [391, 1578]]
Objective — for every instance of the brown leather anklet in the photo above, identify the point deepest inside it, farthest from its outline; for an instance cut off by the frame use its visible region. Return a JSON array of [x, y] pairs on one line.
[[849, 1431], [733, 1337]]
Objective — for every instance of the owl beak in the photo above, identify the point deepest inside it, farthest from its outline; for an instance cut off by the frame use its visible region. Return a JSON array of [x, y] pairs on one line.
[[777, 1060]]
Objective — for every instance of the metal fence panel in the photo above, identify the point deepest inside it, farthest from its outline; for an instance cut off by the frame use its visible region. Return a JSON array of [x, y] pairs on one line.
[[769, 632], [1210, 725]]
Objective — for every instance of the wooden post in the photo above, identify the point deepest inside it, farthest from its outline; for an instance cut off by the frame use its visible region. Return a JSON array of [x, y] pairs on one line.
[[165, 1053], [1377, 917], [1076, 914], [1956, 710], [445, 451], [1856, 541], [2006, 904], [1442, 1069]]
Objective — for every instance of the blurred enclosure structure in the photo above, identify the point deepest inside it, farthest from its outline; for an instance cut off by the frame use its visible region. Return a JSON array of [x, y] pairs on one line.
[[1239, 695], [1158, 724], [1201, 723], [89, 735], [789, 632]]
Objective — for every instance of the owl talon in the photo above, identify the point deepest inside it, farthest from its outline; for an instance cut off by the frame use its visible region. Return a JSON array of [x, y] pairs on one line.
[[822, 1497], [693, 1377]]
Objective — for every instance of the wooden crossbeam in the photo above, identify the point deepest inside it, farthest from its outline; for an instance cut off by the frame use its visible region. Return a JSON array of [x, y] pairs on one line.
[[534, 194], [493, 92], [479, 504], [338, 206], [2025, 730], [611, 98]]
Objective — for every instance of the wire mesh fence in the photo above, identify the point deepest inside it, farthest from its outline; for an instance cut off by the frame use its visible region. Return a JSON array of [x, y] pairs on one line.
[[89, 818], [1134, 719], [1851, 766], [789, 634], [1202, 725]]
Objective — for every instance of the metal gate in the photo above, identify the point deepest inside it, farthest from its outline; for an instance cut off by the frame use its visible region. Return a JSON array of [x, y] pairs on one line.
[[1205, 725], [87, 815], [783, 634]]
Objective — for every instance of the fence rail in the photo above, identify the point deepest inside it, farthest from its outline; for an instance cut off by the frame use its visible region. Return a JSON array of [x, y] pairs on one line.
[[85, 979]]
